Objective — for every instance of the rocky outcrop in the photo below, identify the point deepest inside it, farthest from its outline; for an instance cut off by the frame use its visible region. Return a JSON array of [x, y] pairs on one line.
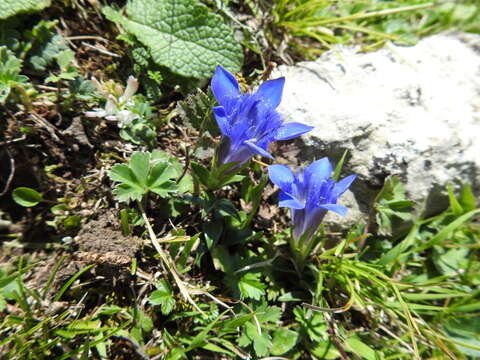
[[409, 111]]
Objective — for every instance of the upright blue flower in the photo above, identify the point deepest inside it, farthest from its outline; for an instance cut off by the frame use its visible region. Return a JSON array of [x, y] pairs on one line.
[[249, 122], [309, 194]]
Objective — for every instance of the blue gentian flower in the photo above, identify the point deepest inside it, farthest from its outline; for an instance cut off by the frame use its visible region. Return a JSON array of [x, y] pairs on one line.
[[249, 122], [309, 194]]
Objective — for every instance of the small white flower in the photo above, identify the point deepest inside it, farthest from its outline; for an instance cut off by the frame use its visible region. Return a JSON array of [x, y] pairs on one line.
[[130, 90], [115, 108], [125, 118]]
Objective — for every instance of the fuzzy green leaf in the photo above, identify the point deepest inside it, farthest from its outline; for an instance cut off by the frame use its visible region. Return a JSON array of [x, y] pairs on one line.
[[251, 287], [12, 7], [182, 35]]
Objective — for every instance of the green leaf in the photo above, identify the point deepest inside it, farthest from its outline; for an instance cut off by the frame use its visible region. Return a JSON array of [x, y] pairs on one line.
[[26, 197], [467, 200], [65, 58], [452, 261], [390, 203], [3, 302], [283, 340], [267, 313], [72, 222], [124, 223], [201, 338], [201, 173], [465, 330], [226, 208], [400, 248], [125, 192], [447, 230], [140, 165], [78, 327], [160, 174], [212, 232], [338, 168], [231, 179], [12, 7], [182, 35], [122, 173], [163, 297], [261, 342], [59, 209], [186, 251], [454, 204], [46, 45], [233, 324], [325, 350], [186, 184], [10, 67], [143, 320], [145, 172], [358, 347], [251, 287]]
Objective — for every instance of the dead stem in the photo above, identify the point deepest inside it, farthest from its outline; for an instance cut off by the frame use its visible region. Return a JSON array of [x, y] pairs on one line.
[[170, 266]]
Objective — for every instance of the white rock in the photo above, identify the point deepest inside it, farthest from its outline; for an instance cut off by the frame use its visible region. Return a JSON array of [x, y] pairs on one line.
[[409, 111]]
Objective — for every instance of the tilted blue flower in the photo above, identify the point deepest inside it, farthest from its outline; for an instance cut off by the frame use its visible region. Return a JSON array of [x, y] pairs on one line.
[[249, 122], [309, 194]]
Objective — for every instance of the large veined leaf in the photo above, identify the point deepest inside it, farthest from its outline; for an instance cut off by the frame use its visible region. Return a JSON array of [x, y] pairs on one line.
[[12, 7], [182, 35]]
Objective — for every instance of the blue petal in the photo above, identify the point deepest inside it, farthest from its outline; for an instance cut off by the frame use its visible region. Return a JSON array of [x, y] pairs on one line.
[[222, 120], [339, 209], [291, 130], [258, 149], [312, 219], [286, 200], [224, 86], [318, 171], [271, 91], [342, 186], [282, 176]]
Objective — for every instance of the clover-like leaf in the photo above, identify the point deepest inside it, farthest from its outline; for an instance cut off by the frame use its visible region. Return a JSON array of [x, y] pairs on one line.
[[12, 7], [125, 192], [160, 174], [140, 165], [182, 35], [143, 173], [163, 296]]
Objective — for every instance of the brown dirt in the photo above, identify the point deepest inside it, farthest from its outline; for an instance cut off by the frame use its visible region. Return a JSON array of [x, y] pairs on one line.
[[100, 243]]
